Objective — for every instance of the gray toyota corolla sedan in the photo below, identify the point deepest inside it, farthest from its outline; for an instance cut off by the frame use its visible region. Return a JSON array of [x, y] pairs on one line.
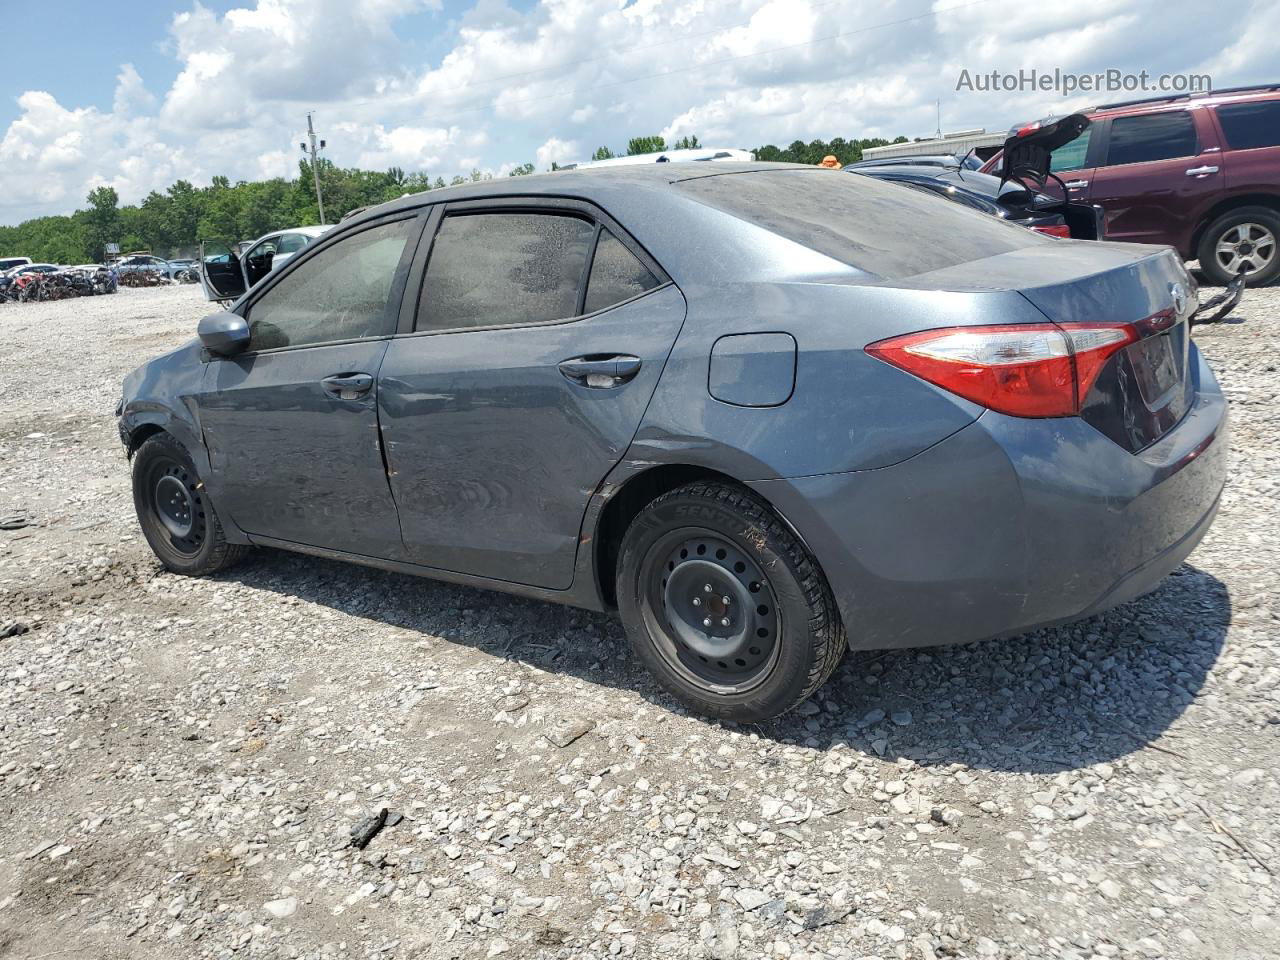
[[765, 412]]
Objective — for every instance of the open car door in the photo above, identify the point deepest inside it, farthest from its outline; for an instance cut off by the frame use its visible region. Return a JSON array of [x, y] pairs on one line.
[[221, 273]]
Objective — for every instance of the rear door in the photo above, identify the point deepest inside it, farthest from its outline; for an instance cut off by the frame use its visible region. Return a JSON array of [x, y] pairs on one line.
[[1251, 147], [291, 424], [1160, 173], [540, 332]]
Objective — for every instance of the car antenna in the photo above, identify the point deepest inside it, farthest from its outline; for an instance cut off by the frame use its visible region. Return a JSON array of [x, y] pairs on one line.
[[960, 171]]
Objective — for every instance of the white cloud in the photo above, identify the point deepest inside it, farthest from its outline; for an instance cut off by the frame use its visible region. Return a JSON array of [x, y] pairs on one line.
[[556, 150], [552, 82]]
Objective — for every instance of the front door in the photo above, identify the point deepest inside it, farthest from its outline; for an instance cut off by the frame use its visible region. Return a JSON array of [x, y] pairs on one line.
[[221, 275], [540, 336], [291, 424], [1156, 182]]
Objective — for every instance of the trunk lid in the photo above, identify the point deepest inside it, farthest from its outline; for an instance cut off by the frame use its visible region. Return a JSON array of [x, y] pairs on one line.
[[1145, 389]]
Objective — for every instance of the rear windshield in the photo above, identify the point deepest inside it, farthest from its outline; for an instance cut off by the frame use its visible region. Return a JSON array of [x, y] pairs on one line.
[[880, 227]]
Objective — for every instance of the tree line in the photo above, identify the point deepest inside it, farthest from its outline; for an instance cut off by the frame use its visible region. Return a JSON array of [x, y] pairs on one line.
[[174, 222]]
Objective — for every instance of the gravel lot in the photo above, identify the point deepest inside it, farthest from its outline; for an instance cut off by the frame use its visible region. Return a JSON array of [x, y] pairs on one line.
[[181, 761]]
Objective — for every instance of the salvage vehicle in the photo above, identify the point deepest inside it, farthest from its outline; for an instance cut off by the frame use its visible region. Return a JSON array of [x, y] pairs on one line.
[[8, 263], [1007, 201], [10, 276], [226, 273], [1200, 172], [764, 411], [141, 264]]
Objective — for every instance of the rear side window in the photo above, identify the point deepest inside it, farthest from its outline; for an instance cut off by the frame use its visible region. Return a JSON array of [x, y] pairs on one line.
[[341, 293], [616, 274], [1152, 136], [491, 269], [1248, 126], [870, 224]]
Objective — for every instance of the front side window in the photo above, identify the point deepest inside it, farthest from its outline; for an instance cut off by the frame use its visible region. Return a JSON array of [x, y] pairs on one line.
[[616, 274], [490, 269], [340, 293], [1071, 156], [1152, 136], [290, 243], [1248, 126]]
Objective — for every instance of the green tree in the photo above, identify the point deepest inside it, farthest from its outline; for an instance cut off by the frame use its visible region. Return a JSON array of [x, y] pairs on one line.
[[522, 171], [686, 143], [645, 145], [602, 153], [101, 222]]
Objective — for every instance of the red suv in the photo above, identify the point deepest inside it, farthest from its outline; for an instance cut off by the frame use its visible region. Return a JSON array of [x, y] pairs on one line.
[[1200, 172]]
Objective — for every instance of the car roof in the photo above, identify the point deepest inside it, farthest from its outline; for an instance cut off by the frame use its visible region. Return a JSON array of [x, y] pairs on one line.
[[1179, 101], [582, 183], [677, 227]]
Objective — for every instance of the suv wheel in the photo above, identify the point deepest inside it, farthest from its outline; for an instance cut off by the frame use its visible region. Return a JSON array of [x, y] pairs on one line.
[[174, 511], [724, 605], [1242, 240]]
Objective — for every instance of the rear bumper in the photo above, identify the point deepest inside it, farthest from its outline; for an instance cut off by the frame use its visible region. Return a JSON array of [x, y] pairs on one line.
[[1009, 524]]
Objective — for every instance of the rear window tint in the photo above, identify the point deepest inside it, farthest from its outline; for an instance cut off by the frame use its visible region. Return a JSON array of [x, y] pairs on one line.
[[1248, 126], [616, 275], [1148, 137], [873, 225]]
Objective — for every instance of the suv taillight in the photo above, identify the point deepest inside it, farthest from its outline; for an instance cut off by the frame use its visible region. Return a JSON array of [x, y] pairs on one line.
[[1055, 230], [1024, 370]]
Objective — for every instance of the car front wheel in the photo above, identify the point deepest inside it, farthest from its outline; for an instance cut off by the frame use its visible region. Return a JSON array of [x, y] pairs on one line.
[[1242, 241], [175, 513], [725, 606]]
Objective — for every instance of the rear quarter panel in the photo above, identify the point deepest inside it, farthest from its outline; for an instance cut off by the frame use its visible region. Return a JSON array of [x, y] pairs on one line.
[[848, 411]]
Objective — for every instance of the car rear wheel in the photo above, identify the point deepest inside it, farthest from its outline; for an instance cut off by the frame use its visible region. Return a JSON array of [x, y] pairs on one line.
[[174, 511], [1242, 240], [724, 605]]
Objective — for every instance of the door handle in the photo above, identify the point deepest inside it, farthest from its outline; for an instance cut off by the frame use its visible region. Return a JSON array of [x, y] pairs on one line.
[[1201, 171], [601, 371], [347, 386], [1077, 184]]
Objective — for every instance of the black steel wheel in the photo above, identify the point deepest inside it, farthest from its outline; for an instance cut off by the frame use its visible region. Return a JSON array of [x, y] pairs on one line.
[[724, 605], [177, 501], [711, 610], [175, 513]]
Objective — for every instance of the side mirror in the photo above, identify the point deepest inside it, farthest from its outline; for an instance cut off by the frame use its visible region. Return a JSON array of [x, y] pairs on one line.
[[224, 334]]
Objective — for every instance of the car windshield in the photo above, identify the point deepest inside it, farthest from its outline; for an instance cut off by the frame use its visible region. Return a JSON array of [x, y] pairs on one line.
[[870, 224]]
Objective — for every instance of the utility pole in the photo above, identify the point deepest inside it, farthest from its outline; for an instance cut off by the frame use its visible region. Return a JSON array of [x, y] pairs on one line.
[[939, 105], [315, 164]]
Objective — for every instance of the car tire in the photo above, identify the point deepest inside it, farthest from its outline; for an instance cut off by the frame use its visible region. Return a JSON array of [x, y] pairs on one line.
[[724, 605], [1238, 229], [175, 512]]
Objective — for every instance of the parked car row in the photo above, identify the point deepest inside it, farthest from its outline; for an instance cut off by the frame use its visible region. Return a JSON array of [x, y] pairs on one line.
[[47, 281]]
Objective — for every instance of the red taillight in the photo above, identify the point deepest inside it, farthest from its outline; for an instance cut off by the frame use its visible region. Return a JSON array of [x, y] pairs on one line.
[[1059, 230], [1022, 369]]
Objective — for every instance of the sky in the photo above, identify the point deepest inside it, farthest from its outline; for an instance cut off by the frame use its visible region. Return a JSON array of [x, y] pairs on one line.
[[136, 96]]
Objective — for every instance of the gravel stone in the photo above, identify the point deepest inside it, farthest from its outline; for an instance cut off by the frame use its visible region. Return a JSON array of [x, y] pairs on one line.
[[181, 760]]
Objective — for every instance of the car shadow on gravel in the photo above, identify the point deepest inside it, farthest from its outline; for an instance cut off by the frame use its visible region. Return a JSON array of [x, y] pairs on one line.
[[1053, 699]]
